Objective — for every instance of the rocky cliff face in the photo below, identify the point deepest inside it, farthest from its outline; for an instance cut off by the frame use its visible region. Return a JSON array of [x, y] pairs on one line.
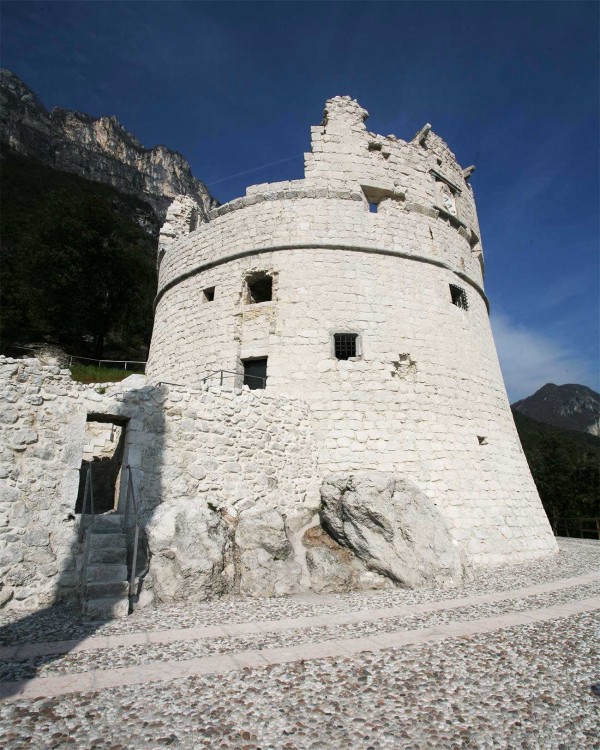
[[572, 407], [97, 149]]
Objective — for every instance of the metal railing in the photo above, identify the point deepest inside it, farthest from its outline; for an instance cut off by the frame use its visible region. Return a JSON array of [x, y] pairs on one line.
[[126, 363], [118, 364], [88, 492], [239, 378], [130, 503], [130, 495], [582, 528]]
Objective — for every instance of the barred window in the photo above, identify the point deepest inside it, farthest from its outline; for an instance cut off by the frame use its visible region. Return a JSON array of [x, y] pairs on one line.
[[459, 297], [345, 345]]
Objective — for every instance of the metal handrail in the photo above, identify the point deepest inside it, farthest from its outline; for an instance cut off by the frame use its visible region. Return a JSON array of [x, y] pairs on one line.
[[220, 373], [87, 492], [136, 534], [232, 372]]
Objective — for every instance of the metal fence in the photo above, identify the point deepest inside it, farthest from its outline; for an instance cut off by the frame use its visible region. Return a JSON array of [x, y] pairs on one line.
[[581, 528], [117, 364]]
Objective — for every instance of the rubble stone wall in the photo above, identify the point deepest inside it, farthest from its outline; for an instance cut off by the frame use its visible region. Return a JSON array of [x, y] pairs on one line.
[[220, 452]]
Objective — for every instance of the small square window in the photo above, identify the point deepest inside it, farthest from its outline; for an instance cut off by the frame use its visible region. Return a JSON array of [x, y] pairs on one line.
[[209, 294], [345, 345], [259, 288], [459, 297]]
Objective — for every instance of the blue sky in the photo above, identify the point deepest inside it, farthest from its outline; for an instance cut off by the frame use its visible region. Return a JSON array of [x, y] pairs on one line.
[[512, 87]]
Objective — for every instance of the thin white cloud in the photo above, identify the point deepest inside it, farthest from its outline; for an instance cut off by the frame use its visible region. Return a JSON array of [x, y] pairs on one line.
[[530, 359]]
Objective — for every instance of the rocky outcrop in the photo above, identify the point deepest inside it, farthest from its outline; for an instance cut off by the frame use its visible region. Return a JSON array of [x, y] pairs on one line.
[[375, 530], [393, 527], [570, 406], [190, 547], [99, 149]]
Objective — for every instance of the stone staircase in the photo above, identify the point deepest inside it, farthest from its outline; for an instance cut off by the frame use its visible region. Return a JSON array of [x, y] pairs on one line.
[[104, 588]]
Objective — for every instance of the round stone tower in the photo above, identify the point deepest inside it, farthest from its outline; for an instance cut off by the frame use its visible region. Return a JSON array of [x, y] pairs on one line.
[[359, 289]]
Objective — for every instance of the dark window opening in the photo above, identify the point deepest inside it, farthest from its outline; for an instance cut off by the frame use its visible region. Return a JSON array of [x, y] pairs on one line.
[[103, 449], [260, 288], [193, 225], [255, 373], [209, 294], [482, 439], [345, 345], [459, 297]]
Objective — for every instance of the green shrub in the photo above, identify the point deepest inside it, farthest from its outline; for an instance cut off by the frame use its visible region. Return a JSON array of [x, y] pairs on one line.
[[93, 374]]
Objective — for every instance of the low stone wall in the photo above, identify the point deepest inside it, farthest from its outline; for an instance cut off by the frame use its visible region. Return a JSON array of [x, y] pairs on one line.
[[215, 453], [39, 475]]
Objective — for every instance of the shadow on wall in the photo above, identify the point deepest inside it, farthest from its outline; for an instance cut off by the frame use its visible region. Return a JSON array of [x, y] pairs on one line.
[[26, 640]]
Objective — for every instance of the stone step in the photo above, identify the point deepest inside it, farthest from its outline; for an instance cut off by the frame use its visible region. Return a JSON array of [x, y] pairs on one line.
[[106, 609], [106, 572], [108, 555], [106, 524], [106, 589], [103, 530], [106, 540]]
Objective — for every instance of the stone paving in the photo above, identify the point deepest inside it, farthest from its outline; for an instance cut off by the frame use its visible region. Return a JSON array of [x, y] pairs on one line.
[[504, 662]]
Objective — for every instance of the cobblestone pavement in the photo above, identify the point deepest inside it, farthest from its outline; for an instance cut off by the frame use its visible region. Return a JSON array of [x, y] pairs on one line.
[[523, 683]]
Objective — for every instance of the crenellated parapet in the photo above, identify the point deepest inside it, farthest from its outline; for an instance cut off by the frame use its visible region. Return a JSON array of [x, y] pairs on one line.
[[361, 190]]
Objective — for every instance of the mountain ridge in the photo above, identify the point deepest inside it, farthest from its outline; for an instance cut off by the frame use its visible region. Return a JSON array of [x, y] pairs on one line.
[[99, 149], [570, 406]]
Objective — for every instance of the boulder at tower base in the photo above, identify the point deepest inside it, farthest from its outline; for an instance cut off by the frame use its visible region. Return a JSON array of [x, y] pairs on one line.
[[393, 527]]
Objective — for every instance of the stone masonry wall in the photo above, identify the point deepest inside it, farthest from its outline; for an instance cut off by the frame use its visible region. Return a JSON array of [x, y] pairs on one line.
[[39, 423], [425, 397], [207, 457]]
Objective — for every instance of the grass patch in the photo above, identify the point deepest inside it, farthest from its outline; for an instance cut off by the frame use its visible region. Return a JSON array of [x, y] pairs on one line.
[[94, 374]]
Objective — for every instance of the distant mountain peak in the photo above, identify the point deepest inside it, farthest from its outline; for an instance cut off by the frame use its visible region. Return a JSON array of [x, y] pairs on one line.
[[571, 406]]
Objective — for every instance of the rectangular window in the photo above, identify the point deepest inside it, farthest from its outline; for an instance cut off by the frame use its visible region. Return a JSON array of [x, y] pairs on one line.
[[259, 288], [459, 297], [345, 345], [255, 373], [209, 294]]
